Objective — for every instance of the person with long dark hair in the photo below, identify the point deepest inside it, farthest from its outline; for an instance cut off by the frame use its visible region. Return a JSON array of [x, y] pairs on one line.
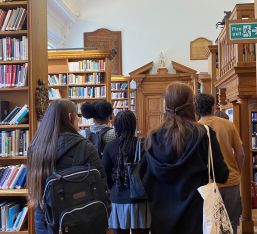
[[56, 145], [175, 165], [126, 214]]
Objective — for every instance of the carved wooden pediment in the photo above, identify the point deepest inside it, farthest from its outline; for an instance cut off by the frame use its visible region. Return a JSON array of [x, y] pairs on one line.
[[142, 70], [179, 68]]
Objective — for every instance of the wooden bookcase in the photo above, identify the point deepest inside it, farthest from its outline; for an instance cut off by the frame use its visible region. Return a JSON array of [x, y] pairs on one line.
[[120, 93], [132, 97], [75, 74], [253, 143], [35, 29]]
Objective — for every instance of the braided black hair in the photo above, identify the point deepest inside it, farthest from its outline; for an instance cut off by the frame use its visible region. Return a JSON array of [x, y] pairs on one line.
[[125, 127]]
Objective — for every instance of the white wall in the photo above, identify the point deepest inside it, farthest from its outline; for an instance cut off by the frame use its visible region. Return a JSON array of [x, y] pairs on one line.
[[151, 26]]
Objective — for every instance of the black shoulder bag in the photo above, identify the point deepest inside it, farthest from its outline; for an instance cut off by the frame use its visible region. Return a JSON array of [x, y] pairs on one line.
[[137, 190]]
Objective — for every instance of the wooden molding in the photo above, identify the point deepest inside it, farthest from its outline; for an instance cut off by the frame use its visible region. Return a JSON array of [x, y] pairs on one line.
[[142, 70], [204, 77], [182, 68], [211, 49], [120, 78], [78, 54]]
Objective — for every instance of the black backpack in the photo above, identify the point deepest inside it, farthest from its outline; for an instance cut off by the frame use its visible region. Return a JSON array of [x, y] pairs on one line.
[[75, 201], [97, 139]]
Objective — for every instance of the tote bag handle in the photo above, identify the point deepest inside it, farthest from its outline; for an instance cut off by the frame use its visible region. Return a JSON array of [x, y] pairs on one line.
[[210, 157], [137, 157]]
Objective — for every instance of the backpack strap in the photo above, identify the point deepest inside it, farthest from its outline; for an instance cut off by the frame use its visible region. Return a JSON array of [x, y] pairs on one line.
[[100, 141]]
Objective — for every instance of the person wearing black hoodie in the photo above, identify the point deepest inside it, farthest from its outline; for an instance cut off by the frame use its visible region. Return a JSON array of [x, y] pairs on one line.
[[175, 165], [56, 145]]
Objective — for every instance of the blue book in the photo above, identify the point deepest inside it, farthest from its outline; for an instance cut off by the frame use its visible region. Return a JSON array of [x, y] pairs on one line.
[[21, 179], [5, 174], [13, 212], [23, 114], [15, 225]]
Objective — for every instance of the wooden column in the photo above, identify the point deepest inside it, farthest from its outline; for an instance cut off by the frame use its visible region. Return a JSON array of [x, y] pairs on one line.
[[247, 223], [205, 79]]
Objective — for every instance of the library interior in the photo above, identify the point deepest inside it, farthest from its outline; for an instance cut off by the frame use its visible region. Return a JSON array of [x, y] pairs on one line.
[[126, 53]]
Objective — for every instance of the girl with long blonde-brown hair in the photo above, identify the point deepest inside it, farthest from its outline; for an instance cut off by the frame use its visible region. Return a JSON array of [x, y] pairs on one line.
[[176, 165]]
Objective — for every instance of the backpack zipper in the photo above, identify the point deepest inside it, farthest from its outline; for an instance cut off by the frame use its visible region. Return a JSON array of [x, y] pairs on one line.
[[80, 208], [77, 173]]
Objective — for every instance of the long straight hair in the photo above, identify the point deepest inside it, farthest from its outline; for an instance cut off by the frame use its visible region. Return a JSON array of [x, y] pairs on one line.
[[42, 150], [179, 118], [125, 127]]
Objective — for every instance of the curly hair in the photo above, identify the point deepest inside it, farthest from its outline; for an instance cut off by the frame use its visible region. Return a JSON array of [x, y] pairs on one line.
[[98, 110], [204, 103]]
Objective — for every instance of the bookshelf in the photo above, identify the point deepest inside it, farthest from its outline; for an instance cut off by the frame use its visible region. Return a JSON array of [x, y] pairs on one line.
[[132, 96], [253, 134], [79, 76], [23, 61], [120, 93]]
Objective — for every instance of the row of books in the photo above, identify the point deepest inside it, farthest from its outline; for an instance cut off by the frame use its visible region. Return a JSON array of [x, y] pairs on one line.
[[54, 94], [132, 95], [58, 79], [132, 108], [254, 116], [132, 101], [14, 142], [116, 111], [118, 85], [17, 116], [13, 216], [119, 94], [95, 78], [85, 122], [13, 75], [87, 92], [13, 19], [254, 141], [254, 127], [120, 104], [87, 65], [13, 177], [14, 48]]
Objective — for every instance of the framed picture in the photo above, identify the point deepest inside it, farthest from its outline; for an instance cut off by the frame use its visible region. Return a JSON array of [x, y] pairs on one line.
[[104, 39]]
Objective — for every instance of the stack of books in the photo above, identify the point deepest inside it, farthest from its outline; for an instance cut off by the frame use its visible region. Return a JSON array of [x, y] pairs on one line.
[[13, 216], [14, 143], [13, 19], [60, 79], [13, 75], [19, 115], [13, 177], [54, 94]]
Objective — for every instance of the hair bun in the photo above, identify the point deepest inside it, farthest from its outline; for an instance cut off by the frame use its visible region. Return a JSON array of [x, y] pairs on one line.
[[88, 110]]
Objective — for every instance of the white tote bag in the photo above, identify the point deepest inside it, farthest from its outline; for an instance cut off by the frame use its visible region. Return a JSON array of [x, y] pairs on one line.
[[215, 216]]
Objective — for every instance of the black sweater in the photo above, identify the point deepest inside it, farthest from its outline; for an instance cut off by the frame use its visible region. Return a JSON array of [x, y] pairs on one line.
[[171, 181], [110, 154]]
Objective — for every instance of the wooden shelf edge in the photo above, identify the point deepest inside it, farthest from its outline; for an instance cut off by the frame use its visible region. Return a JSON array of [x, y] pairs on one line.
[[14, 192], [85, 72], [15, 88], [13, 61], [81, 85], [15, 232], [14, 33], [9, 157], [14, 3], [18, 126]]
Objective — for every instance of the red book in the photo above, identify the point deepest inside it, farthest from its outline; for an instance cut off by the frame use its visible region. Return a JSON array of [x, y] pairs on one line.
[[13, 83]]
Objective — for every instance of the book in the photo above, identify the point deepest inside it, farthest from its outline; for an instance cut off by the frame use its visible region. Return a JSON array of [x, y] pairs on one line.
[[17, 176], [13, 212], [14, 119], [22, 219], [11, 115], [21, 179], [4, 110]]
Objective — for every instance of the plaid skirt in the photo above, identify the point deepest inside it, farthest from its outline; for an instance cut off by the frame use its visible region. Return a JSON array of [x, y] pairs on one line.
[[126, 216]]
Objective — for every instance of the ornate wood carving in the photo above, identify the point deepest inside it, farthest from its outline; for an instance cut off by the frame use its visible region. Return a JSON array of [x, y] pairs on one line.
[[104, 39]]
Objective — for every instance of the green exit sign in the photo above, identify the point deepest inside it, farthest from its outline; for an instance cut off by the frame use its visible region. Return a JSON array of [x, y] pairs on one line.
[[242, 31]]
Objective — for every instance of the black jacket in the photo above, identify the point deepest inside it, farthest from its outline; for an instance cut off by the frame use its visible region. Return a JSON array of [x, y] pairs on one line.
[[72, 149], [110, 161], [171, 181]]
